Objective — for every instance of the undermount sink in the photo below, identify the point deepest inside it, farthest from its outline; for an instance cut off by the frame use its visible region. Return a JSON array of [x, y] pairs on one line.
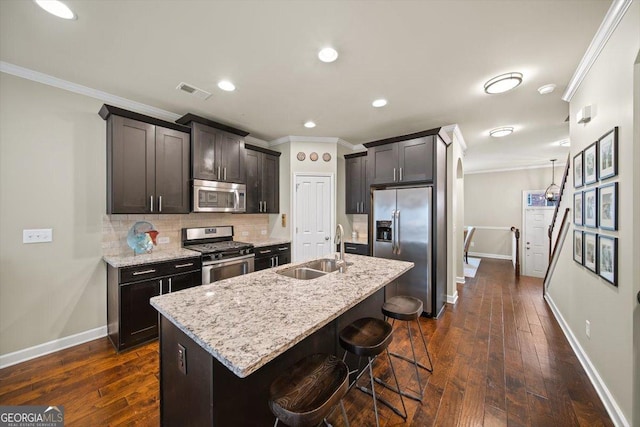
[[327, 265], [312, 269], [302, 273]]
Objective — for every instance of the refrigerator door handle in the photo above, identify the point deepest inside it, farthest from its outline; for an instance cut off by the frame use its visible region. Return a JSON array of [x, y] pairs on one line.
[[398, 250], [393, 231]]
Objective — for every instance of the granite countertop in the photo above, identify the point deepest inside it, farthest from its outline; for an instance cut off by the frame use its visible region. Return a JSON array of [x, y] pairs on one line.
[[247, 321], [130, 259], [266, 242]]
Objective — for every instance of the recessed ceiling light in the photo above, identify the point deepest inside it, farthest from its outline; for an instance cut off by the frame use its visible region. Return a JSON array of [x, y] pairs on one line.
[[543, 90], [328, 54], [226, 85], [379, 103], [309, 124], [500, 132], [57, 8], [503, 83]]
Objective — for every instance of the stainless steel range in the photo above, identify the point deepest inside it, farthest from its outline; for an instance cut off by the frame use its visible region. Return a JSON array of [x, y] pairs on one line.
[[222, 257]]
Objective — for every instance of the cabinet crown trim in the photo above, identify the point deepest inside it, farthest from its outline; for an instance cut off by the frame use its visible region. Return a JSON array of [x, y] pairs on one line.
[[107, 110], [354, 155], [431, 132], [262, 150], [188, 118]]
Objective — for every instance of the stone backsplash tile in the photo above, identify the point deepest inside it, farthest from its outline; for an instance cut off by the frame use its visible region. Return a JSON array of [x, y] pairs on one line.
[[116, 227]]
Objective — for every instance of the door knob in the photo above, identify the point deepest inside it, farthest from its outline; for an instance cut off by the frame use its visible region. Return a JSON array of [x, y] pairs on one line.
[[327, 238], [638, 297]]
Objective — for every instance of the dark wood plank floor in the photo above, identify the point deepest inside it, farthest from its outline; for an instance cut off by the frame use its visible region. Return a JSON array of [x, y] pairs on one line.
[[499, 357]]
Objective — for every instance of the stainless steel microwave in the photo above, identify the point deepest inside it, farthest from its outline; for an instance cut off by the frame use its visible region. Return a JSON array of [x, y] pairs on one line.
[[215, 196]]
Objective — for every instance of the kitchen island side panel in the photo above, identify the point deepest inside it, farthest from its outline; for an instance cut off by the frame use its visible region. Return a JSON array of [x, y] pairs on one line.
[[208, 393]]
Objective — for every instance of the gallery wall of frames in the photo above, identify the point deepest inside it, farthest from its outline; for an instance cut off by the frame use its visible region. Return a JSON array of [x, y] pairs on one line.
[[595, 207]]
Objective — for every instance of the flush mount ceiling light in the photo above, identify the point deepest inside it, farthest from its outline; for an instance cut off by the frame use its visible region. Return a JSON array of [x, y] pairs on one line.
[[552, 191], [379, 103], [500, 132], [226, 85], [503, 83], [543, 90], [57, 8], [309, 124], [328, 54]]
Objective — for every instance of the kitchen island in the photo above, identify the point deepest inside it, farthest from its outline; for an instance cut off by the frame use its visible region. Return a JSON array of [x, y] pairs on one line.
[[222, 344]]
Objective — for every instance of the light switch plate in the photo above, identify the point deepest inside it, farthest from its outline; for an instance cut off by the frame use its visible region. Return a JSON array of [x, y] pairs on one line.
[[39, 235], [163, 240]]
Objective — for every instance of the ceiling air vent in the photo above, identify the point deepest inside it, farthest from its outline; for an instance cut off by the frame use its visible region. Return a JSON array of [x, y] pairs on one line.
[[192, 90]]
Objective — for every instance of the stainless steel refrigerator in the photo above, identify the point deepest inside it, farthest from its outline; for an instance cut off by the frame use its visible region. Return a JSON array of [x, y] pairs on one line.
[[403, 230]]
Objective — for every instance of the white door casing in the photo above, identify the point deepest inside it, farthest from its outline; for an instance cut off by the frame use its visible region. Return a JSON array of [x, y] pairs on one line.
[[536, 241], [314, 215]]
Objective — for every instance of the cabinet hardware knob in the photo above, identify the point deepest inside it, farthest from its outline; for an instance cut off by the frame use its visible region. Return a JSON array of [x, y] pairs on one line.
[[151, 198], [400, 174], [225, 174], [394, 174], [159, 203], [265, 206]]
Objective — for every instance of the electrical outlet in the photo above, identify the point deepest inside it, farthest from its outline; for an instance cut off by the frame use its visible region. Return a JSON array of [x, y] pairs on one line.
[[263, 232], [473, 244], [182, 359], [40, 235], [587, 328], [245, 233], [163, 240]]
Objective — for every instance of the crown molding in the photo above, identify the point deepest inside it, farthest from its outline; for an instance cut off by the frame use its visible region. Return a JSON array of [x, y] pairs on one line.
[[108, 98], [320, 139], [256, 141], [609, 23], [454, 129], [517, 168]]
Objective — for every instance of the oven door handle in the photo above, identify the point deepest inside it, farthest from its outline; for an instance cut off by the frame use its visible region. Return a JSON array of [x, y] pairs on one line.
[[218, 264]]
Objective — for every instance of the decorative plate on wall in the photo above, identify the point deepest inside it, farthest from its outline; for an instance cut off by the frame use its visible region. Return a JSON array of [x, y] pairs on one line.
[[313, 156], [301, 156], [326, 157]]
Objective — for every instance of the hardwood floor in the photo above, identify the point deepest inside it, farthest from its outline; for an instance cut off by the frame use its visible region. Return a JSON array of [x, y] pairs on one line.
[[499, 358]]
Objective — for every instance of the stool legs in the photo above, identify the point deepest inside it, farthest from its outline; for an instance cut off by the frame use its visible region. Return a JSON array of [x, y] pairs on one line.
[[372, 391], [415, 362]]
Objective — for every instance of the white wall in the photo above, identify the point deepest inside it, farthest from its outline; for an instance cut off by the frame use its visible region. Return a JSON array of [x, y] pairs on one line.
[[579, 294], [455, 213], [494, 199], [52, 175]]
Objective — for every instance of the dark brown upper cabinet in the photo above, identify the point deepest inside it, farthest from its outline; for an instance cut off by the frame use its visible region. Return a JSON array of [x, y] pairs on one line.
[[217, 150], [402, 161], [147, 164], [356, 184], [262, 168]]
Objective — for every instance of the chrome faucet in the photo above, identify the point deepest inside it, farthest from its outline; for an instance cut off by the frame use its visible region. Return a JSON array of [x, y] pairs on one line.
[[340, 241]]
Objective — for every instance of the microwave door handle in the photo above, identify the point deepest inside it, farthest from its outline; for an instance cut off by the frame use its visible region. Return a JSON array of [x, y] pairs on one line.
[[236, 197]]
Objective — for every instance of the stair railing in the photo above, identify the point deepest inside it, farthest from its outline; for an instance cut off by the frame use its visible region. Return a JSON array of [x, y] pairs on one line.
[[564, 227], [516, 265], [555, 211]]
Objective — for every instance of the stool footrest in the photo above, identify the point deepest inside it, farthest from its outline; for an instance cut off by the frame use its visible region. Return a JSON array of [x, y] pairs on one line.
[[383, 401], [400, 356], [404, 393]]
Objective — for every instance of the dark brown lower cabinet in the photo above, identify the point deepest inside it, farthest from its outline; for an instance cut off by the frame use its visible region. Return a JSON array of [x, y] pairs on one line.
[[272, 256], [131, 320], [355, 248]]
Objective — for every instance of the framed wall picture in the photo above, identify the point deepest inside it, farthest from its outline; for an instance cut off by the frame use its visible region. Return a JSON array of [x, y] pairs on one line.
[[608, 206], [608, 259], [590, 208], [590, 163], [590, 251], [578, 208], [578, 246], [578, 171], [608, 154]]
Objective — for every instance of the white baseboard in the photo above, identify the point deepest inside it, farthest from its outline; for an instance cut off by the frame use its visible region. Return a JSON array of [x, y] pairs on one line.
[[609, 402], [460, 280], [494, 256], [20, 356], [452, 299]]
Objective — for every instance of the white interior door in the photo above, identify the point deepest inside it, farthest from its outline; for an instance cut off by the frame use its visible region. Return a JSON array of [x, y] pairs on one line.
[[536, 240], [313, 220]]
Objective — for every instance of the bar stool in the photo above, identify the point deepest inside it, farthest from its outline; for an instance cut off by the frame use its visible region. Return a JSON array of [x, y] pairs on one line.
[[406, 308], [307, 393], [369, 337]]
